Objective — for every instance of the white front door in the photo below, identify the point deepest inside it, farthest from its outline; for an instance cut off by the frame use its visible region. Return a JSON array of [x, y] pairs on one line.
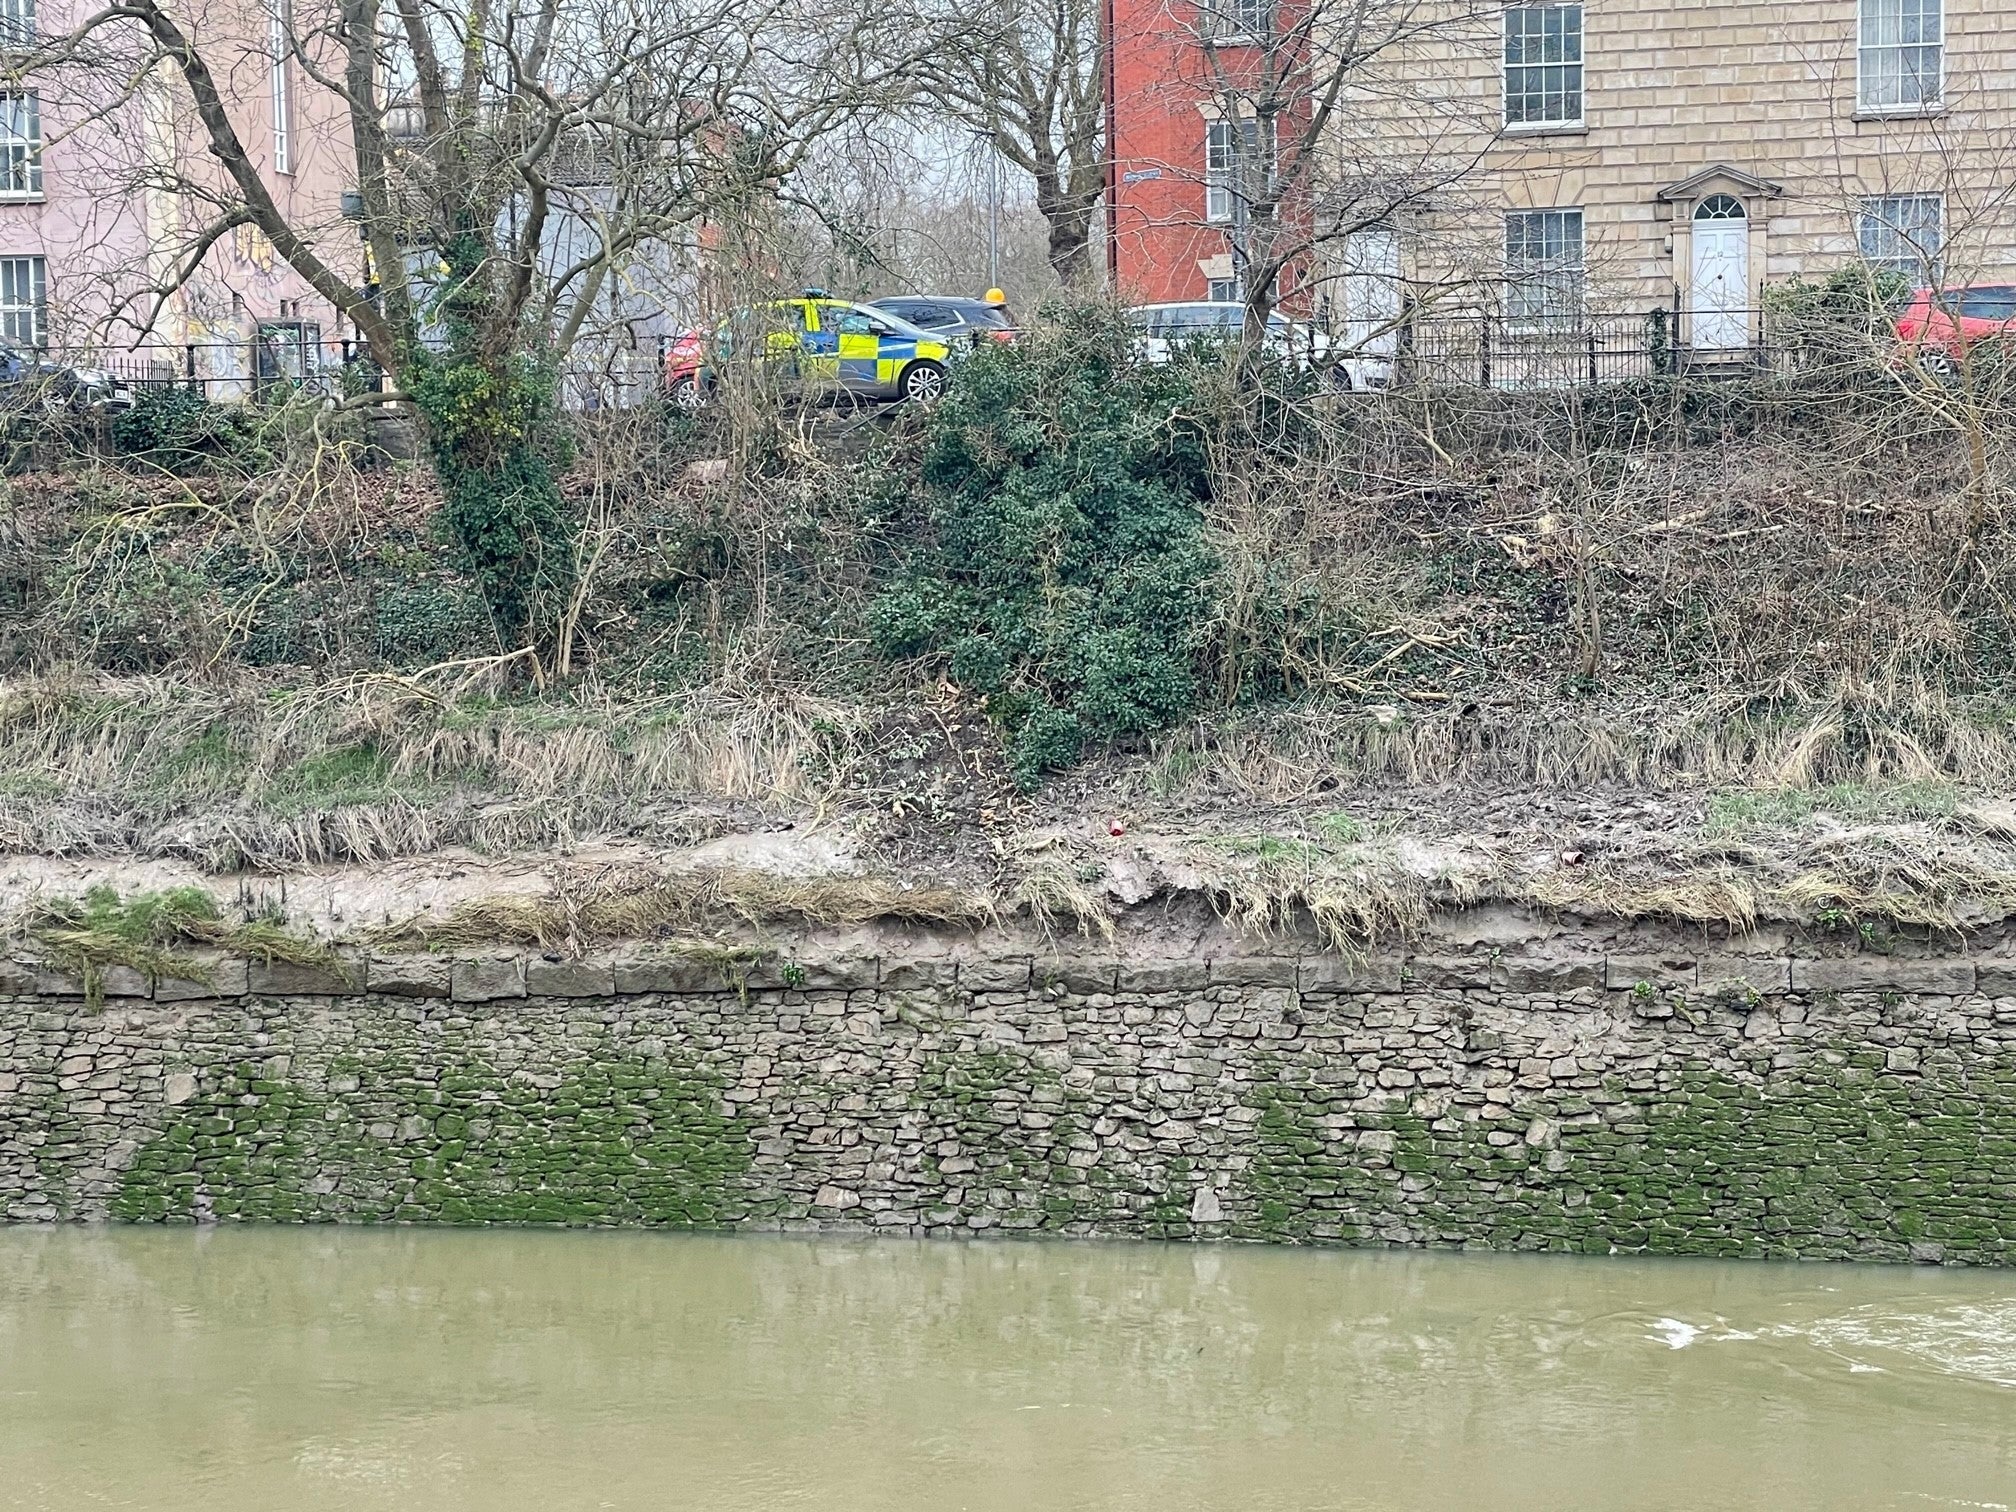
[[1719, 288]]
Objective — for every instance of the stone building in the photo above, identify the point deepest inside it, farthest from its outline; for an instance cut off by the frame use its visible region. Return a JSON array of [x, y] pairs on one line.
[[1689, 152], [1624, 154]]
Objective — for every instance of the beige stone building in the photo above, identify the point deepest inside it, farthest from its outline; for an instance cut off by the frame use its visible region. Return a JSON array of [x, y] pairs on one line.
[[1685, 153]]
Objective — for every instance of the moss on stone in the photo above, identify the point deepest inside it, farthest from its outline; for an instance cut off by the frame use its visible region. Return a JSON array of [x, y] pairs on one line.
[[623, 1140]]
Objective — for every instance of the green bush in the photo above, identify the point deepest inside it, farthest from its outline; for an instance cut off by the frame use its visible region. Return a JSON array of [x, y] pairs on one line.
[[177, 427], [1851, 293], [1058, 564], [1844, 317], [430, 620]]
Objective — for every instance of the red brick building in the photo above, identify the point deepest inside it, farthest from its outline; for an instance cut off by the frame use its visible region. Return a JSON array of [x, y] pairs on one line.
[[1172, 216]]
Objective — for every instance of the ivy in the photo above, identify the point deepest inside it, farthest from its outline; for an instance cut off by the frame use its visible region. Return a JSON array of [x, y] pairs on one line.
[[498, 446], [1059, 567]]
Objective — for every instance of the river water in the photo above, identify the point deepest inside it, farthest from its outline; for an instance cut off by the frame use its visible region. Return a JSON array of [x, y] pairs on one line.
[[230, 1370]]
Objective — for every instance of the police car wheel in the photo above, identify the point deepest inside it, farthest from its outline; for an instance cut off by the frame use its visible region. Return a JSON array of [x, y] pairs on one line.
[[922, 381], [687, 393]]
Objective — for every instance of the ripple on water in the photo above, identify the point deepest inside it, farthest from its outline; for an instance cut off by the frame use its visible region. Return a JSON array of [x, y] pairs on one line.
[[1972, 1339]]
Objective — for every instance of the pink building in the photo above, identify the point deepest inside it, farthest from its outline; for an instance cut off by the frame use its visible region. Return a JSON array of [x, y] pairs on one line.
[[108, 194]]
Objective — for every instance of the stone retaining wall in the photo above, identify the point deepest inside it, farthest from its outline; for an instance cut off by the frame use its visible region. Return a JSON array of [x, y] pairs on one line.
[[1652, 1099]]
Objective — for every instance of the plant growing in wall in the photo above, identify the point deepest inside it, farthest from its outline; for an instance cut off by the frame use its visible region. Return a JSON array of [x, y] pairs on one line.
[[153, 932]]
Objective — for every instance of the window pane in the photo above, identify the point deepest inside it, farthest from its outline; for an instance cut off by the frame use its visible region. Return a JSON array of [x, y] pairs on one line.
[[1543, 64], [1901, 55], [1889, 23], [1543, 265], [1234, 168], [1903, 233], [20, 143], [23, 301], [17, 23], [1218, 146], [1236, 18]]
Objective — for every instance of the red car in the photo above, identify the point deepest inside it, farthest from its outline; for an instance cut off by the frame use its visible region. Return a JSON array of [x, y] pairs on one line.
[[682, 369], [1940, 324]]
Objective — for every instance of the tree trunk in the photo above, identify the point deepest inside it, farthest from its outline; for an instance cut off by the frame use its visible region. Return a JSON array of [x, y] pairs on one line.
[[498, 446], [1071, 246]]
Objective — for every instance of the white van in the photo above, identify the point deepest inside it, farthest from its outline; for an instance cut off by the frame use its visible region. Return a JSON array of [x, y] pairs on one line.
[[1163, 329]]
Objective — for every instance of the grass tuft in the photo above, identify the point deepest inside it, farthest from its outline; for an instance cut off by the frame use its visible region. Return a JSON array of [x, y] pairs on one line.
[[152, 932], [1058, 888]]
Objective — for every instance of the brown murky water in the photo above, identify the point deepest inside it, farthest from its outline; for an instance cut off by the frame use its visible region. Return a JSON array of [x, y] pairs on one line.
[[240, 1369]]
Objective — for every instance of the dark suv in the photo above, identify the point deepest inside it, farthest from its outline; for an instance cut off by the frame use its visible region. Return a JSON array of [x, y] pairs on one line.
[[32, 383], [951, 317]]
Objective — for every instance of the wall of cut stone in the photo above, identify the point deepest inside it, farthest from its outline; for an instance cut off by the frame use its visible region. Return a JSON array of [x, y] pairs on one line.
[[1653, 1098]]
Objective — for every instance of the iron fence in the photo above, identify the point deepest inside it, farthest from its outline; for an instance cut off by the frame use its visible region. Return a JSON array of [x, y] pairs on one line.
[[228, 371], [1493, 351], [1486, 350], [616, 375]]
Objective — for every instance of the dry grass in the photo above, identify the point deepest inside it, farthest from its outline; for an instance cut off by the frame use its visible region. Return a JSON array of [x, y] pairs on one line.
[[1730, 897], [381, 767], [1061, 890], [587, 907], [1357, 893], [1382, 891], [1911, 878], [1916, 735]]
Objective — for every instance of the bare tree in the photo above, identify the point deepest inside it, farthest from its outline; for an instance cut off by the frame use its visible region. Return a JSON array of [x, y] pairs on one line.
[[512, 160], [1328, 125], [1032, 81]]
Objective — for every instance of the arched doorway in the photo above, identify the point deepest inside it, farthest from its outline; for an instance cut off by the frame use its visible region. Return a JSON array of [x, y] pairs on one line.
[[1718, 295]]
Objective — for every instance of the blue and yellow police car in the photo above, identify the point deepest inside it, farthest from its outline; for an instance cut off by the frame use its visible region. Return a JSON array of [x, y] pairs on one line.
[[822, 343]]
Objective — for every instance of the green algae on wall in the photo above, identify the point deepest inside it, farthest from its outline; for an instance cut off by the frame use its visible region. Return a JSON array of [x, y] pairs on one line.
[[622, 1139], [1578, 1118], [1836, 1158]]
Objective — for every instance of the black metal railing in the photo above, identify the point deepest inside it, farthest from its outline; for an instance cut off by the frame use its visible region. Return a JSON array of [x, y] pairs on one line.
[[1431, 349], [617, 375], [226, 371], [1494, 351]]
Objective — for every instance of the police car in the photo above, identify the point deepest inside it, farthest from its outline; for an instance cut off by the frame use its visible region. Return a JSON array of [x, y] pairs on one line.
[[821, 344]]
